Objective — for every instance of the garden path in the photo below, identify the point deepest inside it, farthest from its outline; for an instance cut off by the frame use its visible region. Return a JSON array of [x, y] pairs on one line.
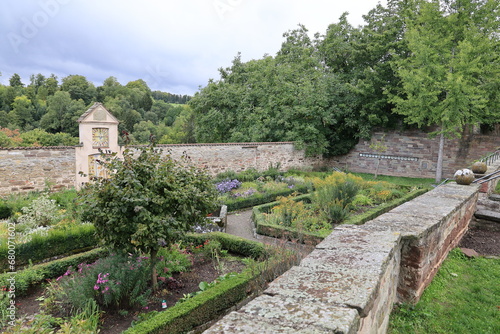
[[240, 224]]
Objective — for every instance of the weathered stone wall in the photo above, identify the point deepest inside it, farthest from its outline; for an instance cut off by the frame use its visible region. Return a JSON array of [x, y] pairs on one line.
[[414, 154], [23, 170], [28, 169], [217, 158], [350, 282], [408, 154]]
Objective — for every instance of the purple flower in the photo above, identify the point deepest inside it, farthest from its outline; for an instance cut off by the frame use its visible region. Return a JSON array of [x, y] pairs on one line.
[[227, 185]]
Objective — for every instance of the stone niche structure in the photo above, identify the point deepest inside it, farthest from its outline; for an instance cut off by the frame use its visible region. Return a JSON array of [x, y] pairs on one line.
[[98, 135]]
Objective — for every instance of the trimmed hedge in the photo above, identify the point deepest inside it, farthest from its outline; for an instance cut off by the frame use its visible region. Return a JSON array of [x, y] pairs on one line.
[[198, 310], [34, 275], [57, 242], [234, 204], [312, 238], [233, 244]]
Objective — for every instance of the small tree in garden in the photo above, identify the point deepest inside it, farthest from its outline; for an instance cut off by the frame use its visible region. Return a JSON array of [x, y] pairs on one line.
[[147, 202]]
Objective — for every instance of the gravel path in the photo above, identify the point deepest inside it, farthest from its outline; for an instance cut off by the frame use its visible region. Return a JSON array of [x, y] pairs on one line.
[[240, 224]]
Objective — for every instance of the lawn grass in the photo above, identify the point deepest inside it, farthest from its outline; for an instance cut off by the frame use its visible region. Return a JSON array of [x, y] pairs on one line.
[[464, 297], [399, 180]]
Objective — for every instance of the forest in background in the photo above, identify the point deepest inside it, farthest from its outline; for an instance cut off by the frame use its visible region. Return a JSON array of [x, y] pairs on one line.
[[44, 112], [431, 64]]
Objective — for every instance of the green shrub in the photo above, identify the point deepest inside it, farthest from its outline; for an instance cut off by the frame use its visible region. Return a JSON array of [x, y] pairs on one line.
[[231, 243], [234, 204], [5, 209], [173, 260], [56, 242], [33, 275], [333, 200], [41, 212], [120, 281]]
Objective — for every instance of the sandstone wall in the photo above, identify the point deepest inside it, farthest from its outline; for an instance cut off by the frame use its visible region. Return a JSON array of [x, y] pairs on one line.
[[23, 170], [408, 154], [350, 282], [217, 158], [28, 169], [414, 154]]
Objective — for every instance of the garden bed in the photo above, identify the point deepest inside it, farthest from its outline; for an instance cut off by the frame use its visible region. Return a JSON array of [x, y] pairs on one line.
[[238, 279], [360, 216]]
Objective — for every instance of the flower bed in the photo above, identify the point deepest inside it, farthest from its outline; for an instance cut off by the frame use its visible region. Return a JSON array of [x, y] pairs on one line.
[[238, 195], [341, 198]]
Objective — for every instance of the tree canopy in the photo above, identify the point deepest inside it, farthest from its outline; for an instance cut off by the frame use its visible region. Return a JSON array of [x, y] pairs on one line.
[[147, 201], [453, 65], [414, 63]]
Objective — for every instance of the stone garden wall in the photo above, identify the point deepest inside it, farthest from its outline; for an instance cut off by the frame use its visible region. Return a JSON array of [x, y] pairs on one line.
[[350, 282], [28, 169], [414, 154], [408, 154]]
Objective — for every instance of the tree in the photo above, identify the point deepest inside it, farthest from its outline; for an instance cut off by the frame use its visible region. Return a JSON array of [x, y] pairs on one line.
[[15, 81], [79, 88], [39, 137], [147, 202], [62, 114], [22, 112], [453, 64]]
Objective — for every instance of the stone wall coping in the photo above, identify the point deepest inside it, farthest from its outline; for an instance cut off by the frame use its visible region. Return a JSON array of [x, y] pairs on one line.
[[223, 144], [36, 148], [158, 145]]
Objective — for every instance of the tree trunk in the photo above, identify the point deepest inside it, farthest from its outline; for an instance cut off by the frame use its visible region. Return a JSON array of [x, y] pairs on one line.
[[376, 169], [439, 169], [154, 280]]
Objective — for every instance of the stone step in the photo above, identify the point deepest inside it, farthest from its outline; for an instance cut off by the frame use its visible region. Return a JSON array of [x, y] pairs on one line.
[[488, 215], [494, 197]]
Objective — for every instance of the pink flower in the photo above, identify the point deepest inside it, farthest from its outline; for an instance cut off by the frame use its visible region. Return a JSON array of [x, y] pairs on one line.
[[96, 287]]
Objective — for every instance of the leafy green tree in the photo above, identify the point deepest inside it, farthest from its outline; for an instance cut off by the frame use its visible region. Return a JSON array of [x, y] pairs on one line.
[[4, 119], [37, 81], [182, 130], [52, 84], [22, 112], [291, 97], [39, 137], [141, 99], [62, 114], [110, 88], [15, 81], [453, 64], [79, 88], [147, 202]]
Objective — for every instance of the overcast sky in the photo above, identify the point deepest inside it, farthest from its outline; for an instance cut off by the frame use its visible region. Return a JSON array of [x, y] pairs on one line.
[[175, 46]]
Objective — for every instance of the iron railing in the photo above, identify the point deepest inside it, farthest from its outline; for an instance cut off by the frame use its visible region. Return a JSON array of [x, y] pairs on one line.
[[491, 158]]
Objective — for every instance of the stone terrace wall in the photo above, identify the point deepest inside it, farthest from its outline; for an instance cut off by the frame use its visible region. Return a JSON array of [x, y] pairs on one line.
[[349, 283], [414, 154], [28, 169]]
